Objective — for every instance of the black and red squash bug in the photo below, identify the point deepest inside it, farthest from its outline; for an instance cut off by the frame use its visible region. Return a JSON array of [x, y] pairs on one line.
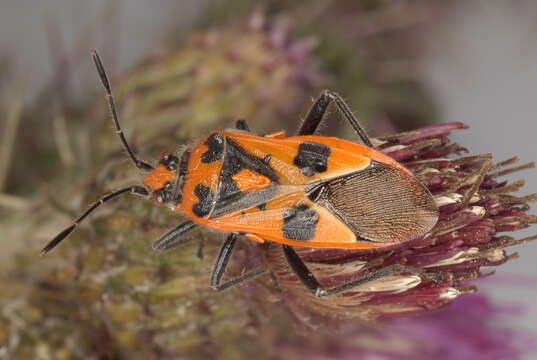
[[303, 190]]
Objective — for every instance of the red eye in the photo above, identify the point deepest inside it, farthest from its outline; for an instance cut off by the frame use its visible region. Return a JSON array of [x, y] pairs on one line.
[[164, 155], [157, 199]]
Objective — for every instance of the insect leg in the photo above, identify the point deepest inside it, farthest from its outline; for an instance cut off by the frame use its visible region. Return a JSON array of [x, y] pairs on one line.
[[344, 108], [201, 245], [315, 115], [242, 125], [319, 108], [65, 233], [301, 270], [275, 281], [389, 270], [308, 279], [221, 264], [172, 239]]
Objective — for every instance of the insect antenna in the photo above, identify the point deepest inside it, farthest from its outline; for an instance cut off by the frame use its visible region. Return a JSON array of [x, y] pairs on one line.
[[65, 233], [104, 79]]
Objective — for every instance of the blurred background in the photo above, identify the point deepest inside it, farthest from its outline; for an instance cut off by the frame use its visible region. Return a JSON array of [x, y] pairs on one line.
[[399, 64]]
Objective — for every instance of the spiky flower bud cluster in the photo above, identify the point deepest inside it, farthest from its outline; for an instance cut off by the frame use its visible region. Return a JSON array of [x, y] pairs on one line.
[[476, 207]]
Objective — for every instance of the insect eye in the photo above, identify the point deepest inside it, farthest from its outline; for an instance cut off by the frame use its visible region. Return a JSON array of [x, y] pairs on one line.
[[168, 160], [163, 195], [163, 157], [158, 200]]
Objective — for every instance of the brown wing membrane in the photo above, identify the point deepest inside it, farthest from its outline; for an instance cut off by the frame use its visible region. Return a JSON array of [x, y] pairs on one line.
[[381, 204]]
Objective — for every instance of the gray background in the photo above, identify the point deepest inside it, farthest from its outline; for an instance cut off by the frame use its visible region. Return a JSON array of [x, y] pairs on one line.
[[479, 59], [481, 64]]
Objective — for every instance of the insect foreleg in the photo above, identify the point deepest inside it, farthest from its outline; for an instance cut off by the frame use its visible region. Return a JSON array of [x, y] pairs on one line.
[[172, 238]]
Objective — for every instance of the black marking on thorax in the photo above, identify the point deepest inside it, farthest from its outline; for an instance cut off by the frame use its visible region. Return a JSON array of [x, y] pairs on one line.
[[312, 158], [299, 223], [215, 143], [232, 165], [230, 197], [181, 177]]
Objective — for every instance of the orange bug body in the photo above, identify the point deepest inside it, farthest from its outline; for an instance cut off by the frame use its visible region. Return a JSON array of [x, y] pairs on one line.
[[303, 190], [270, 187]]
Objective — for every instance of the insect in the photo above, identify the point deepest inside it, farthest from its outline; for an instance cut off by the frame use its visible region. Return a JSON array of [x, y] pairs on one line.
[[303, 190]]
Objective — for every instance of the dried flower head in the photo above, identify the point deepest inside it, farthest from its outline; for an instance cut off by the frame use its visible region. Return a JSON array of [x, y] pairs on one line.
[[475, 207]]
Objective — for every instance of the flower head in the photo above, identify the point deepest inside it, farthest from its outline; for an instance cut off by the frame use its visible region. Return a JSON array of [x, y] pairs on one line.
[[475, 207]]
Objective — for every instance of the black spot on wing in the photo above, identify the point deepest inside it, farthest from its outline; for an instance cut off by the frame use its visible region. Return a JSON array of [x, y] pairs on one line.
[[204, 206], [262, 206], [215, 143], [249, 161], [312, 158], [299, 223]]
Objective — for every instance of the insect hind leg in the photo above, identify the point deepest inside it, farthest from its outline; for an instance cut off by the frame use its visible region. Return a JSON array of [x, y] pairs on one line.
[[308, 279], [315, 115], [317, 111], [241, 124]]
